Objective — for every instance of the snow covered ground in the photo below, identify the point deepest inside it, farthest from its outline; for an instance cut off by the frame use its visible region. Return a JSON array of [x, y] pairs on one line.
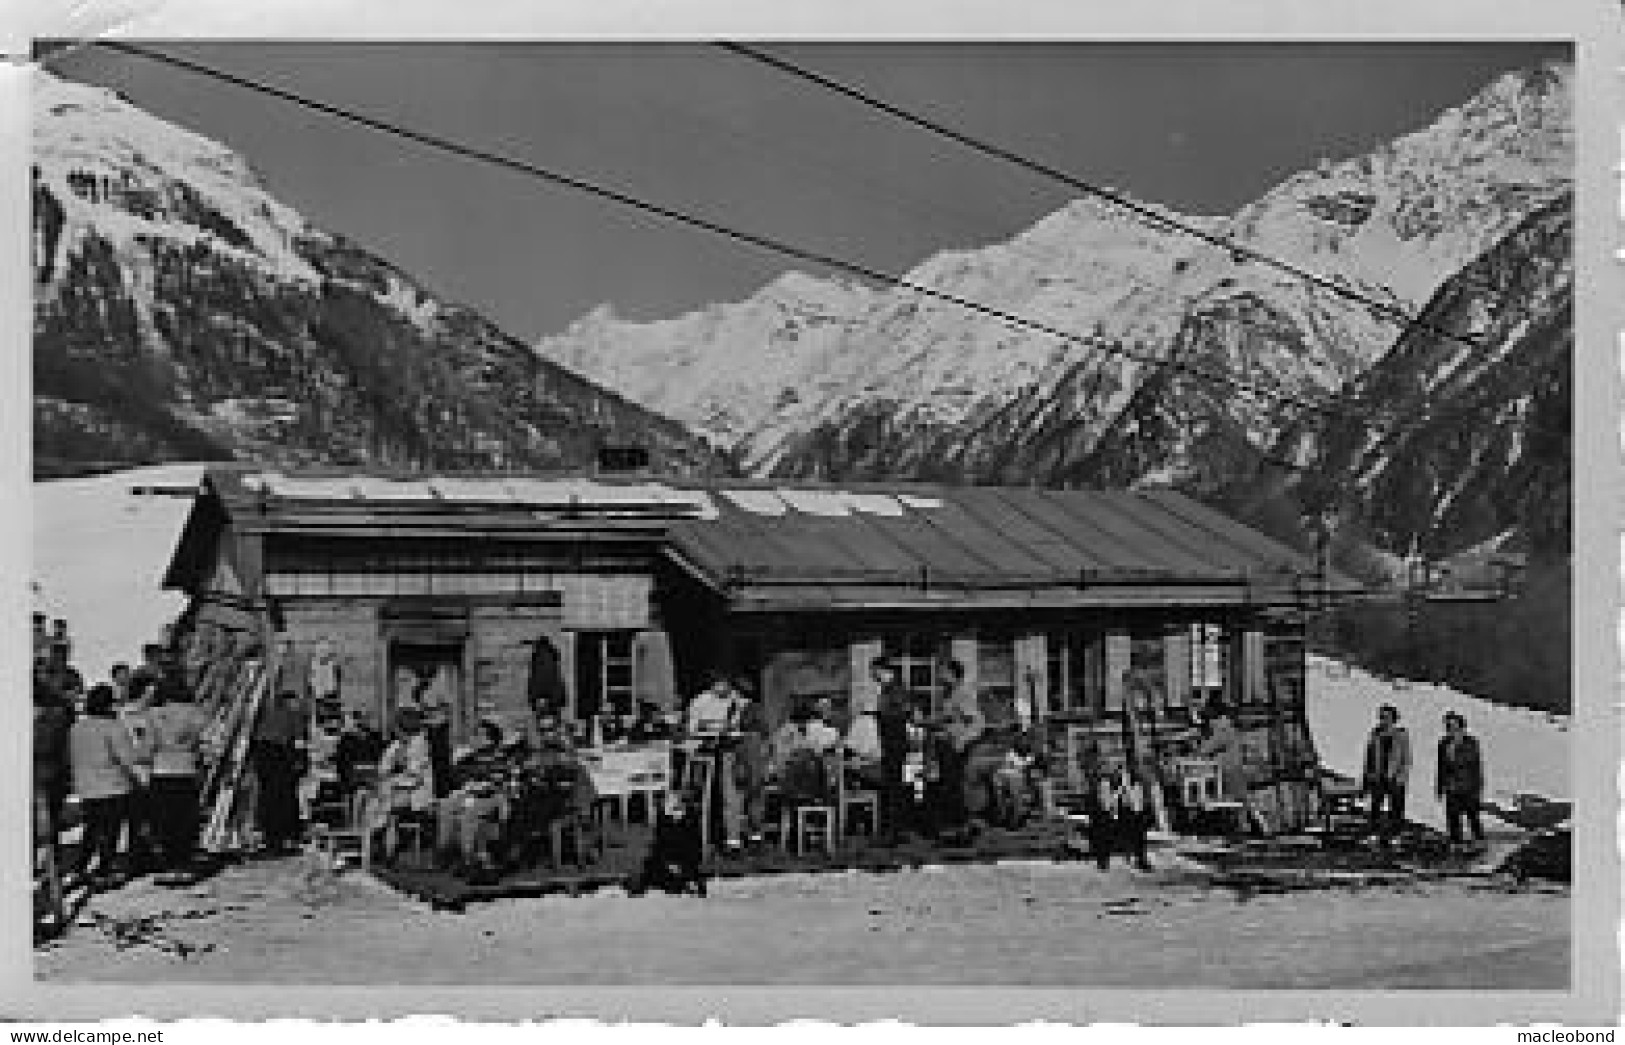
[[1021, 924], [99, 557], [1523, 750]]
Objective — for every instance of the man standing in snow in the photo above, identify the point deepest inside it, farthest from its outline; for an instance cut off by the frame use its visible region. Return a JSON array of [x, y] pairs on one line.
[[713, 721], [962, 723], [1459, 782], [134, 714], [892, 715], [1387, 768], [278, 746]]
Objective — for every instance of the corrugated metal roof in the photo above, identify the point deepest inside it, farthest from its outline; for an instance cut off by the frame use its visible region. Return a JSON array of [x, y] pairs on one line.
[[575, 493], [976, 543], [767, 543]]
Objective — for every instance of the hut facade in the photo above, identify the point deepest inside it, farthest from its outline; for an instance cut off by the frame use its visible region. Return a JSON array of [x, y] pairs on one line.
[[501, 597], [1096, 622]]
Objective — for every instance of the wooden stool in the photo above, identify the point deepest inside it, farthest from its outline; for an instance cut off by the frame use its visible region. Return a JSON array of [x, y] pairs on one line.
[[818, 821]]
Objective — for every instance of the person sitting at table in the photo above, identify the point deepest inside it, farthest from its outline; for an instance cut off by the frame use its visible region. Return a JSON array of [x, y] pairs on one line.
[[470, 819], [863, 749], [802, 732], [1016, 783], [555, 785], [714, 710], [405, 777], [800, 758], [359, 745]]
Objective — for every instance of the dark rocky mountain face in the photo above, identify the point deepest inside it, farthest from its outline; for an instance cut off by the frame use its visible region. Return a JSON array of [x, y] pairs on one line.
[[182, 313], [1443, 445]]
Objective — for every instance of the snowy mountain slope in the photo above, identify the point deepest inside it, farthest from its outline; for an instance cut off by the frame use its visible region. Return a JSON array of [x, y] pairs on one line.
[[896, 383], [183, 312], [1449, 444], [664, 365]]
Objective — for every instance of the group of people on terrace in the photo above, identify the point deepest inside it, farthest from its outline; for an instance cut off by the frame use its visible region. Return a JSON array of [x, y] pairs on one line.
[[968, 773], [132, 753], [127, 753]]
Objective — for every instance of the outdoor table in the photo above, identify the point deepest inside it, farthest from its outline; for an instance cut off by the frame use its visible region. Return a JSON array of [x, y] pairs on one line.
[[620, 772]]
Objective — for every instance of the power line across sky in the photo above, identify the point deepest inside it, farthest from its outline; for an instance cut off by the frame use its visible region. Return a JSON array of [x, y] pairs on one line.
[[1148, 215], [783, 248]]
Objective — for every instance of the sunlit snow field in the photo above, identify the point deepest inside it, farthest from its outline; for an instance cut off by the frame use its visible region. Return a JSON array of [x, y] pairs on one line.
[[99, 559]]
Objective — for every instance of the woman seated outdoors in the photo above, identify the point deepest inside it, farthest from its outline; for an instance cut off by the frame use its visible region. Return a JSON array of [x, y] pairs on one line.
[[551, 785], [802, 750], [470, 820], [405, 778], [1017, 781]]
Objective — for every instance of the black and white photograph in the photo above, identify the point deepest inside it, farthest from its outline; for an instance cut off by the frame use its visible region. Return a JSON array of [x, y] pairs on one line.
[[1053, 512]]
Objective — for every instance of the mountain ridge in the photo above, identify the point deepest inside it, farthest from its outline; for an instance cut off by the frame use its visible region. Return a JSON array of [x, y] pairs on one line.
[[183, 311], [902, 385]]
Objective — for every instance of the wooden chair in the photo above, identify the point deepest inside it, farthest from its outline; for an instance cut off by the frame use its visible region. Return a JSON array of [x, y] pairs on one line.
[[869, 802], [329, 813], [847, 799], [1199, 781], [773, 802], [1201, 787], [1339, 805], [699, 775], [816, 822], [584, 833], [645, 788], [355, 832], [408, 831], [650, 784], [821, 819]]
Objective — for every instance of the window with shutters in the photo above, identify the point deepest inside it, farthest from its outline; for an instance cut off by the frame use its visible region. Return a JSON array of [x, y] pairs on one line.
[[1211, 657], [1077, 674], [603, 673], [996, 678], [919, 657]]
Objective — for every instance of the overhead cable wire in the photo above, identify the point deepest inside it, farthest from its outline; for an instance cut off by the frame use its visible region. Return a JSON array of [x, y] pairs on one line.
[[759, 241], [1146, 213]]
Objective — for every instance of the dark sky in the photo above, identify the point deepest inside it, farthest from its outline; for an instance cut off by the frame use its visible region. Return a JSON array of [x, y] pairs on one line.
[[1200, 127]]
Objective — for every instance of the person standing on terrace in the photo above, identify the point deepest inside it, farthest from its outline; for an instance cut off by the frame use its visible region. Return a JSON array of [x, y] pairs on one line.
[[893, 712], [1387, 769], [1459, 780]]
